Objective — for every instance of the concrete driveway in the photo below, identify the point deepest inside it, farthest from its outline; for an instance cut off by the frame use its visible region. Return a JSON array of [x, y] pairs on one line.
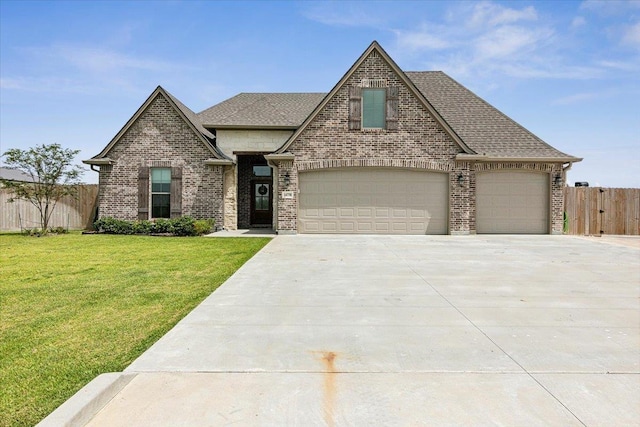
[[397, 330]]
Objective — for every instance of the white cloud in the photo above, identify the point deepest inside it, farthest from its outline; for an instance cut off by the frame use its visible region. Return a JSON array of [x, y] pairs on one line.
[[576, 98], [610, 7], [605, 93], [47, 84], [488, 14], [86, 69], [343, 14], [629, 65], [578, 22], [507, 41], [102, 60], [631, 35], [9, 83], [544, 69], [421, 39], [493, 41]]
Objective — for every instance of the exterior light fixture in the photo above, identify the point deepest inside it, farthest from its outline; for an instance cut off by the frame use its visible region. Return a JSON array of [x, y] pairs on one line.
[[460, 179], [287, 178], [558, 179]]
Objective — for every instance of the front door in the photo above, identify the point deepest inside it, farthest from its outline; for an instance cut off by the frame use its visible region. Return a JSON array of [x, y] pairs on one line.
[[261, 201]]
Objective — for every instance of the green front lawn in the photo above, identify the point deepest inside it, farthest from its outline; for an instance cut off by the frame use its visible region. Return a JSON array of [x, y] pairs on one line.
[[75, 306]]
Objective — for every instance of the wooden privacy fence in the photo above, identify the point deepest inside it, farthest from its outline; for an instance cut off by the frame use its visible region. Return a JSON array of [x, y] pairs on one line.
[[69, 212], [595, 210]]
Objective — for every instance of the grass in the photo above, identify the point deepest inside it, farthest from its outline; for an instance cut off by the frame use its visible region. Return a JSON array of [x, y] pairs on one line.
[[75, 306]]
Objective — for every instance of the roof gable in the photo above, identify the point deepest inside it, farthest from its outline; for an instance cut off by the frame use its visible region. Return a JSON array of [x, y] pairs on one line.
[[185, 113], [377, 48]]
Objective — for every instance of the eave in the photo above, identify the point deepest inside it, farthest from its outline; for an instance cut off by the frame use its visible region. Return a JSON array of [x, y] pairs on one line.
[[250, 127], [218, 162], [279, 157], [99, 162], [463, 157]]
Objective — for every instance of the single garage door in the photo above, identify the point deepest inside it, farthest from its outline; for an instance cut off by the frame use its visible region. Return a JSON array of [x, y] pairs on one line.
[[373, 201], [512, 202]]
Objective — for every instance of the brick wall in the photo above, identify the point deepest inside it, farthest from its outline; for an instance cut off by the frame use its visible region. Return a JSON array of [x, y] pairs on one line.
[[419, 142], [158, 138]]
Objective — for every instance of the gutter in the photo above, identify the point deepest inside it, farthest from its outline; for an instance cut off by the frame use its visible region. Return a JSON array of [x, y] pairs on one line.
[[218, 162], [279, 157], [252, 127], [98, 162], [485, 158]]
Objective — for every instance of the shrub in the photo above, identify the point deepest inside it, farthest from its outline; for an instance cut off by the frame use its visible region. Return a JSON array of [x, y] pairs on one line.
[[203, 226], [142, 227], [58, 230], [34, 232], [161, 226], [184, 226], [181, 226], [110, 225]]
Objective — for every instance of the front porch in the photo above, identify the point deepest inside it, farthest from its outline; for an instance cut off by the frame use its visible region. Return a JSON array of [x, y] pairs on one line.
[[254, 192]]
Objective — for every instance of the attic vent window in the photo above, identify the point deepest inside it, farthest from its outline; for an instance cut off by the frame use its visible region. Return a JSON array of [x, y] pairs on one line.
[[374, 83]]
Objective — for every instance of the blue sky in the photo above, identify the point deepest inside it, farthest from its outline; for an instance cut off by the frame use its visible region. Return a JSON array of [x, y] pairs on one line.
[[74, 72]]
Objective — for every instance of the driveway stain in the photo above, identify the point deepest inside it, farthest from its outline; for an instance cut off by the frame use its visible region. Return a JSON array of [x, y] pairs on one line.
[[329, 386]]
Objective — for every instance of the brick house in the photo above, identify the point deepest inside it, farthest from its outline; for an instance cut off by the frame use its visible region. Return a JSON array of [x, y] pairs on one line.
[[385, 151]]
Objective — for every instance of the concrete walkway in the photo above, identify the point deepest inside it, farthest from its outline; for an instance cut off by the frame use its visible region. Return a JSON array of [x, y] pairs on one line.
[[397, 330]]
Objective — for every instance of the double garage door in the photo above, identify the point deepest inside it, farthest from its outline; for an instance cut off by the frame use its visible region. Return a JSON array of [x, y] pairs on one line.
[[399, 201], [373, 201]]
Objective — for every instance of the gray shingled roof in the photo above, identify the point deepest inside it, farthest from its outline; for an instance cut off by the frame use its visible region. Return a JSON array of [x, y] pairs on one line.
[[262, 110], [15, 175], [486, 130]]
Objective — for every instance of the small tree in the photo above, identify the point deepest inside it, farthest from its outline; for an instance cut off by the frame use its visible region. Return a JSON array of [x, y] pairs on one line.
[[53, 173]]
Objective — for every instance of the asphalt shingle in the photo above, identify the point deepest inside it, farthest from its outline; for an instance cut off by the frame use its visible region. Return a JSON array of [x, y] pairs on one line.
[[485, 129], [261, 109]]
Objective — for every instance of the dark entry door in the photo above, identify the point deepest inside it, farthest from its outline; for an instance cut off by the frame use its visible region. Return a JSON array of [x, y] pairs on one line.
[[261, 201]]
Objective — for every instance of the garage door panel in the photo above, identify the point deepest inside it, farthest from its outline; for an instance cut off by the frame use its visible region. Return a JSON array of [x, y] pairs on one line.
[[364, 213], [329, 213], [383, 213], [381, 227], [347, 213], [512, 202], [369, 200], [313, 213], [399, 213]]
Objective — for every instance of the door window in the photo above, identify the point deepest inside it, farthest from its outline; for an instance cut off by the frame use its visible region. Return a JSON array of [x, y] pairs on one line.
[[261, 201]]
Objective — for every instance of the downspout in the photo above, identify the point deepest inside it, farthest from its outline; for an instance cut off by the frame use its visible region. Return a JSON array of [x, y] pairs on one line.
[[566, 169], [565, 219]]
